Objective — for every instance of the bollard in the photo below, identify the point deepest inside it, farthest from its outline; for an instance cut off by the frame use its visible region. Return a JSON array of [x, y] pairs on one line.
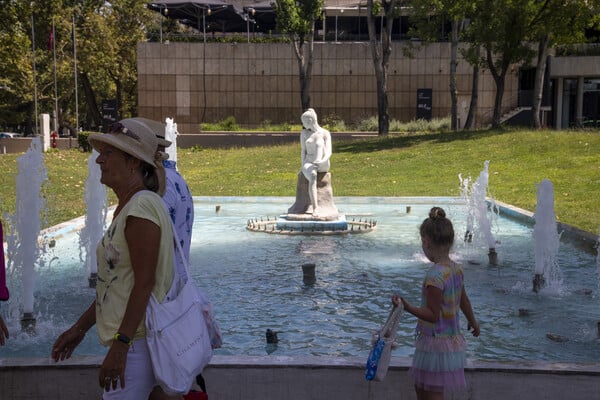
[[308, 274]]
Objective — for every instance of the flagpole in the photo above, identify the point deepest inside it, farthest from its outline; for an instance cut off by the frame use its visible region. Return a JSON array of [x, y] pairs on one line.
[[35, 102], [55, 85], [75, 65]]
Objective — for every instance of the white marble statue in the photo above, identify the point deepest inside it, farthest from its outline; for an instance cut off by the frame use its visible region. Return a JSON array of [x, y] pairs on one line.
[[315, 143]]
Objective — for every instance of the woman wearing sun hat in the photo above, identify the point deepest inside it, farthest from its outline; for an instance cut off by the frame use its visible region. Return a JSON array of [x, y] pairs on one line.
[[135, 259]]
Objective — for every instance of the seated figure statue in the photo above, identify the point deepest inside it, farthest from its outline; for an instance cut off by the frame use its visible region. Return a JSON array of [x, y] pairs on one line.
[[315, 143], [314, 178]]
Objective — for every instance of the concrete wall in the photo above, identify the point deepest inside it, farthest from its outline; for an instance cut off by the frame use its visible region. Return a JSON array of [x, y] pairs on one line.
[[256, 82], [21, 144], [314, 378], [574, 67]]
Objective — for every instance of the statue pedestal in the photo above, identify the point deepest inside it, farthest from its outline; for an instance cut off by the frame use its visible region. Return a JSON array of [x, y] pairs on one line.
[[301, 210], [310, 224]]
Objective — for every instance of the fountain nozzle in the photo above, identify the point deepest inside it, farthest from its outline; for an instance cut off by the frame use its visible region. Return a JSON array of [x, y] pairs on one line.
[[28, 323], [538, 282], [493, 256], [468, 236], [271, 336]]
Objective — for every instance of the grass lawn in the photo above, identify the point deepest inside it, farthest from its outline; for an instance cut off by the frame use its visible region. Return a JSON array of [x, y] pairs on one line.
[[426, 164]]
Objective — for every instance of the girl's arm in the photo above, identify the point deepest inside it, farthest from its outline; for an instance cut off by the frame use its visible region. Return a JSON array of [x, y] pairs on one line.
[[465, 306], [429, 313]]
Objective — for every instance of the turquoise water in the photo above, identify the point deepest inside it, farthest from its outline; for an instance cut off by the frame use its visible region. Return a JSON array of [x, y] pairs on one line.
[[255, 281]]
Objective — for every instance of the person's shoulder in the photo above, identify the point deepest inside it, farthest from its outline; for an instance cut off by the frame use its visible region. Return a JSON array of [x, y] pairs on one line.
[[147, 197]]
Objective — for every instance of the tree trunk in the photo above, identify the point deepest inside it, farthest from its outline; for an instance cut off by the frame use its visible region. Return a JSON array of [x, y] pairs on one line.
[[453, 90], [538, 87], [90, 100], [499, 79], [119, 91], [498, 101], [304, 56], [381, 56], [470, 122]]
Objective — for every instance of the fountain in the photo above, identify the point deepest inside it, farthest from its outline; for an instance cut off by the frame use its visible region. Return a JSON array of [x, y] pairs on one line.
[[171, 135], [95, 219], [256, 283], [546, 238], [23, 249], [475, 196]]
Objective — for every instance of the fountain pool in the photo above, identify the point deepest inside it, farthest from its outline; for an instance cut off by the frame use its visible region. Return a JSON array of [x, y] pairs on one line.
[[256, 283]]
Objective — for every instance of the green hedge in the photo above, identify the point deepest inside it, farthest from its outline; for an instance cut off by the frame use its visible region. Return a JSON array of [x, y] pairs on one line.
[[82, 141]]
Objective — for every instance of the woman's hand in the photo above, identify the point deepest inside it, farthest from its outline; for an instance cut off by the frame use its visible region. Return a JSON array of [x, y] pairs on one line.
[[65, 344], [113, 366]]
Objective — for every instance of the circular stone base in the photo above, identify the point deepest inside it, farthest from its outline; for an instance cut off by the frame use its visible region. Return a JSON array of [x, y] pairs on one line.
[[284, 225]]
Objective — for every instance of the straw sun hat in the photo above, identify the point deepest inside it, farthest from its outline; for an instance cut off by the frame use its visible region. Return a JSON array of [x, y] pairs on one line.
[[138, 137]]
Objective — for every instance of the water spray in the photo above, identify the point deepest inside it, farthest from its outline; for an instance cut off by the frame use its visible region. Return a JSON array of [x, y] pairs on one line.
[[546, 238]]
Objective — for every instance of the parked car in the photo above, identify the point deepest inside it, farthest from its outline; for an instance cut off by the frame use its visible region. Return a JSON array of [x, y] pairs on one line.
[[8, 135]]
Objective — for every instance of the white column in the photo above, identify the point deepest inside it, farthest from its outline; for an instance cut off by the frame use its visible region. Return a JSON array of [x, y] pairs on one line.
[[45, 131], [579, 109], [558, 103]]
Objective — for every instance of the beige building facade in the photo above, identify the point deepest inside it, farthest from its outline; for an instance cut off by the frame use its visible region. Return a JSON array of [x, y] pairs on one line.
[[258, 83]]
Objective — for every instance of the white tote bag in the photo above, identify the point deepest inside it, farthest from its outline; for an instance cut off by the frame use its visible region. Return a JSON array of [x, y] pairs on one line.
[[177, 335]]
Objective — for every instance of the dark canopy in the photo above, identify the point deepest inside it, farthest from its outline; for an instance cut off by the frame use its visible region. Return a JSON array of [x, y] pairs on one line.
[[219, 15]]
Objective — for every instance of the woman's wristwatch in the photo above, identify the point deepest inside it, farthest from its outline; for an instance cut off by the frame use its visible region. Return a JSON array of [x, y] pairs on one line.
[[123, 339]]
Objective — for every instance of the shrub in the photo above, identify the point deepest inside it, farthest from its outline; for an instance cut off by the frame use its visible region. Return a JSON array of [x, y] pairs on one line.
[[334, 123], [82, 141], [227, 124]]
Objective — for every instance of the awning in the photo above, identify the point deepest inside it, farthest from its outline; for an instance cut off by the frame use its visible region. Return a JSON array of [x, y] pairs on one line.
[[219, 15]]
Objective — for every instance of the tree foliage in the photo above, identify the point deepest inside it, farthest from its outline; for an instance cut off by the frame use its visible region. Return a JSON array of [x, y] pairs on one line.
[[107, 34]]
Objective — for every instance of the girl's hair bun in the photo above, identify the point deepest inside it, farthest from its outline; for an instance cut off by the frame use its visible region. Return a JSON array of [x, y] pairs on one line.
[[437, 212]]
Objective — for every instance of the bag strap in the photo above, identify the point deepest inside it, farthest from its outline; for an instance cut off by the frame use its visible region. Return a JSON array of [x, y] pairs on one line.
[[390, 327], [179, 251]]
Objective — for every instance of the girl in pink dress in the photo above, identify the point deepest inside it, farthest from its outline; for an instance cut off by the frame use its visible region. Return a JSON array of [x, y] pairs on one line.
[[439, 359]]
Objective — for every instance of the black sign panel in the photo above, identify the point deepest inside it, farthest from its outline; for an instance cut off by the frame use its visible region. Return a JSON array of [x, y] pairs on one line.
[[424, 104], [109, 114]]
